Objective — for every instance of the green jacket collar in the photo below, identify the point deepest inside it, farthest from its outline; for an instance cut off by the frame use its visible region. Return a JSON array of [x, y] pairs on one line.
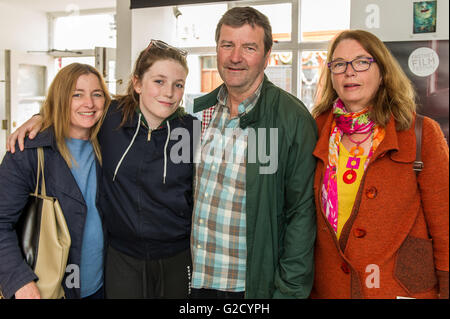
[[210, 99]]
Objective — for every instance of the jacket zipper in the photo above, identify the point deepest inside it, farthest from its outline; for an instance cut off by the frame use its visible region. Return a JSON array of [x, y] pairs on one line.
[[149, 135]]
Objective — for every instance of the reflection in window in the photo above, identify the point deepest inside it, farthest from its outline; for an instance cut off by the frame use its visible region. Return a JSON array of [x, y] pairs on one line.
[[280, 18], [31, 92], [311, 65], [279, 70], [322, 19], [194, 83], [209, 62], [31, 81], [111, 78], [210, 76], [196, 24]]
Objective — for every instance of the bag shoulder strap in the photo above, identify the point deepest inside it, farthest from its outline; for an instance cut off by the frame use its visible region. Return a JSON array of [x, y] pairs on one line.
[[418, 164], [40, 171]]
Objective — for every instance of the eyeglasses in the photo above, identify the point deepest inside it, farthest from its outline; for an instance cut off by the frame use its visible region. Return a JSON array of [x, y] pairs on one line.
[[163, 45], [358, 64]]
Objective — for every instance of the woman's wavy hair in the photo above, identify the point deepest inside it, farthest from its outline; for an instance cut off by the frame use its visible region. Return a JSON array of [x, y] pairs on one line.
[[130, 101], [395, 96], [56, 110]]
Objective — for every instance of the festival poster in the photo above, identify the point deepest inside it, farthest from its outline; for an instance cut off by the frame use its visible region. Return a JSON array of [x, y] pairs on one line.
[[426, 64], [424, 17]]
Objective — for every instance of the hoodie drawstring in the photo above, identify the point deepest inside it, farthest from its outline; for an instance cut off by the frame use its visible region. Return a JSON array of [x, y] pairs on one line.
[[129, 146], [131, 143], [165, 152]]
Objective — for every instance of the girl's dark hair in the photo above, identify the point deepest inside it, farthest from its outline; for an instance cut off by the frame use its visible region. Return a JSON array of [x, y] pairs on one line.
[[129, 101]]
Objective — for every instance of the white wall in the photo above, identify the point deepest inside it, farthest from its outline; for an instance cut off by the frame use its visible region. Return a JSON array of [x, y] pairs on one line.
[[151, 23], [22, 30], [392, 20]]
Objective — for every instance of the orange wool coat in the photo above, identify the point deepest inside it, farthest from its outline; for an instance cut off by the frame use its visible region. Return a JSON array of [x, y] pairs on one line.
[[396, 241]]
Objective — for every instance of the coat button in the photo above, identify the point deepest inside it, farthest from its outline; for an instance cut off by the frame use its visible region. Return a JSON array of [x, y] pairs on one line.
[[371, 192], [359, 232], [344, 268]]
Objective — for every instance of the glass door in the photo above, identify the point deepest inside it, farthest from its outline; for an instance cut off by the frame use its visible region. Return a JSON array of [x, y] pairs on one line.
[[105, 62], [27, 77]]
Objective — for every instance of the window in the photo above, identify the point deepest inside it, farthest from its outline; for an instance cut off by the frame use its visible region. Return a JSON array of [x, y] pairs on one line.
[[88, 37], [196, 24], [301, 30], [210, 76], [280, 17], [279, 70], [31, 91], [322, 19], [76, 32], [311, 64]]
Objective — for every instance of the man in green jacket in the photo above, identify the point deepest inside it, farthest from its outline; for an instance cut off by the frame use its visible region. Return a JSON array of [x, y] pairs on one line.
[[254, 226]]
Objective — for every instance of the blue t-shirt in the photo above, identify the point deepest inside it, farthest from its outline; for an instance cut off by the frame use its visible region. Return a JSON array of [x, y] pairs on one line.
[[84, 172]]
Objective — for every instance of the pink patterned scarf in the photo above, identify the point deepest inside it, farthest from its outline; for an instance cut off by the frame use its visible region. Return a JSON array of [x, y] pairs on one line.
[[344, 123]]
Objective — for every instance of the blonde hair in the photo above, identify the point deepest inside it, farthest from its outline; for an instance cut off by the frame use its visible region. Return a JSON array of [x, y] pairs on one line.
[[395, 96], [56, 110], [152, 54]]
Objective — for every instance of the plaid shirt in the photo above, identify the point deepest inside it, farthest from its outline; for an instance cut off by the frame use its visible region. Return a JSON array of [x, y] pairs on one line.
[[218, 239]]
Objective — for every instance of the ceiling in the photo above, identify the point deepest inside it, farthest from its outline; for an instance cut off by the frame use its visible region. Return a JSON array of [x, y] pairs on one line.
[[61, 5]]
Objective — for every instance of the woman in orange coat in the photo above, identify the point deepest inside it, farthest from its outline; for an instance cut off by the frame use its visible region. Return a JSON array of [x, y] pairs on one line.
[[383, 232]]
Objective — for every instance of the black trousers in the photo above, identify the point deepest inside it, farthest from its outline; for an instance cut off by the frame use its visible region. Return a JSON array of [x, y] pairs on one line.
[[130, 278]]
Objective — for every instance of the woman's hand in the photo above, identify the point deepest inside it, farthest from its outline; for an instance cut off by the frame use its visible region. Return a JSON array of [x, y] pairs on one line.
[[29, 291], [32, 127]]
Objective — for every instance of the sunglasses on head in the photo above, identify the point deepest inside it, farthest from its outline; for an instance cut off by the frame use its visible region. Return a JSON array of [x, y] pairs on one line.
[[163, 45]]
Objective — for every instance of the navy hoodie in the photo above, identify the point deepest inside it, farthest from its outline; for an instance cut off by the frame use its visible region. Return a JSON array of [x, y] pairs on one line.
[[146, 198]]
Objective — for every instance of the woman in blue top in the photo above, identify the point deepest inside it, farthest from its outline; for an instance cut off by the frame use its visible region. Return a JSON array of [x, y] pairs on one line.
[[146, 191], [73, 112]]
